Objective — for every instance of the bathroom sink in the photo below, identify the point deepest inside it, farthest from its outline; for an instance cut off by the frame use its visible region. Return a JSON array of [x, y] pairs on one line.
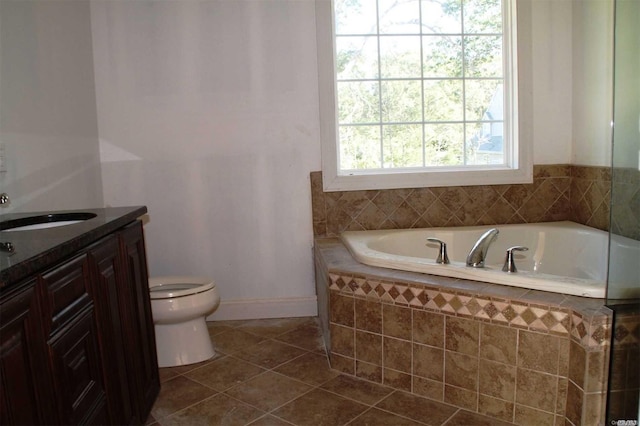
[[44, 221]]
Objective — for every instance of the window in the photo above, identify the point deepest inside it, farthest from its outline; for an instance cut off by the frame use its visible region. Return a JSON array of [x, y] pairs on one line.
[[419, 93]]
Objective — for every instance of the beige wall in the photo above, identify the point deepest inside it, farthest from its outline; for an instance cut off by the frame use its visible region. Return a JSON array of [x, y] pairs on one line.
[[208, 114], [592, 89], [48, 121]]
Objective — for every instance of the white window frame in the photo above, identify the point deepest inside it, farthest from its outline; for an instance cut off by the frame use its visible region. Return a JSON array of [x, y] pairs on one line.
[[519, 157]]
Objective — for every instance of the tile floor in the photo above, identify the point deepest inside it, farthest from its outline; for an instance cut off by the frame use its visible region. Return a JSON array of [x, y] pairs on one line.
[[276, 372]]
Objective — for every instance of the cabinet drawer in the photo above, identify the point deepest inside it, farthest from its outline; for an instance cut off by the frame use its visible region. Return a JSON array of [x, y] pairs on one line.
[[66, 292]]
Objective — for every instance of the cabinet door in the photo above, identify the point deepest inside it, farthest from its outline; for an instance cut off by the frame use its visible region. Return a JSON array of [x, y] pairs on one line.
[[139, 330], [77, 371], [24, 394], [109, 294], [72, 343]]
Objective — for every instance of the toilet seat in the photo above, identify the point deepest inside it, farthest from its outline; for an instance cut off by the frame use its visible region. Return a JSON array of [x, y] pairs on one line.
[[172, 287]]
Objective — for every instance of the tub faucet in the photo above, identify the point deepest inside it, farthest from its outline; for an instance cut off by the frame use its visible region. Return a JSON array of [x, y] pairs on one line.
[[478, 253], [443, 258]]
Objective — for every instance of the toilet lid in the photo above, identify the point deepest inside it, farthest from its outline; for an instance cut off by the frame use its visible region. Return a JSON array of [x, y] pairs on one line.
[[171, 287]]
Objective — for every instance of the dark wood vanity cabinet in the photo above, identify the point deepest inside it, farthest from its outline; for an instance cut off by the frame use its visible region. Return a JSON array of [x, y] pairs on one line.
[[25, 392], [140, 334], [71, 341], [77, 342]]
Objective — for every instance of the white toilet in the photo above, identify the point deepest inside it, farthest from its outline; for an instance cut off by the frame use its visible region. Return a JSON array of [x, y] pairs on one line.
[[180, 305]]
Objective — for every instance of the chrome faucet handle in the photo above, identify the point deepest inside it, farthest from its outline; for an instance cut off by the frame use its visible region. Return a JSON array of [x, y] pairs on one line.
[[4, 198], [442, 253], [509, 263]]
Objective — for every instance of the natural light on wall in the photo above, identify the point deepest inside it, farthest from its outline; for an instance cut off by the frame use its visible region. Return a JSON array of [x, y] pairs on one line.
[[419, 93]]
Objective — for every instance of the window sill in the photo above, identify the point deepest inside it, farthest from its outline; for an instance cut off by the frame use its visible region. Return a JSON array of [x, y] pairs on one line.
[[334, 182]]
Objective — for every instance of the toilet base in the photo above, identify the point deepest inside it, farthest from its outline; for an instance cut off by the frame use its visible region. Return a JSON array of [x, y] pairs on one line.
[[183, 343]]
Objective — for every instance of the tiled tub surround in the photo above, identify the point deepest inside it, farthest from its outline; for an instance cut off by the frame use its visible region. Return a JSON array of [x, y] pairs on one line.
[[517, 355], [559, 192]]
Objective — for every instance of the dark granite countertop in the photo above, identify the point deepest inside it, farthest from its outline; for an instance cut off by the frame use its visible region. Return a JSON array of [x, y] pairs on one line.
[[36, 250]]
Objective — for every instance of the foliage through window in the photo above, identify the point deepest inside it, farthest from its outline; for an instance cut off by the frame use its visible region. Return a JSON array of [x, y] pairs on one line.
[[422, 83]]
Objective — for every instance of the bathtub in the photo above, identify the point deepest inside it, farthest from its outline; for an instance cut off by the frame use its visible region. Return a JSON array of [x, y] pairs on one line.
[[563, 257]]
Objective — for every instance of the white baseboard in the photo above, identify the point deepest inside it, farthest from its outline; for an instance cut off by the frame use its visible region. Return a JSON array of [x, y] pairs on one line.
[[265, 308]]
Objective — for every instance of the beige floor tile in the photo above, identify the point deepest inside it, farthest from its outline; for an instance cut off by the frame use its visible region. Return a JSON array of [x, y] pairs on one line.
[[273, 327], [306, 337], [233, 340], [268, 391], [311, 368], [167, 374], [375, 417], [465, 418], [224, 373], [361, 390], [170, 372], [417, 408], [320, 408], [216, 327], [270, 353], [178, 393], [269, 420], [217, 410]]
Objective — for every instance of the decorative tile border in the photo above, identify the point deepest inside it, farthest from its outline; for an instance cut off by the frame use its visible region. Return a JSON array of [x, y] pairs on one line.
[[590, 332], [627, 329]]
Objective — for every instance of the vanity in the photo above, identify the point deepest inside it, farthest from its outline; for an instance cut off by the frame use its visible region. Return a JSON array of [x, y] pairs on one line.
[[77, 342]]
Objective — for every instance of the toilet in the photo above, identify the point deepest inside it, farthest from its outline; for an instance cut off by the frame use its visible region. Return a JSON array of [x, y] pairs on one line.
[[179, 306]]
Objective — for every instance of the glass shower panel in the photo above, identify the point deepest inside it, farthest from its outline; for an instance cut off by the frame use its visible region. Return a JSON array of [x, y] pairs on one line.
[[623, 398], [3, 158]]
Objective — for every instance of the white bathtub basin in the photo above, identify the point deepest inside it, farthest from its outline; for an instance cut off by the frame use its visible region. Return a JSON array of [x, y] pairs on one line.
[[563, 257]]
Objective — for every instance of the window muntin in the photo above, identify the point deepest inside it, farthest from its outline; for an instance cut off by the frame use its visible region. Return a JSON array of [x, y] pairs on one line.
[[420, 84]]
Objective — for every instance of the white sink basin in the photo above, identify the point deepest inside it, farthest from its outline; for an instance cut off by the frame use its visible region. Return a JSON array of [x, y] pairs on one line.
[[43, 225], [44, 221]]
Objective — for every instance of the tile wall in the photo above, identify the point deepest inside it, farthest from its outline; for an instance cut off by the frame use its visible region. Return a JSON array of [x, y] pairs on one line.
[[558, 192], [625, 203]]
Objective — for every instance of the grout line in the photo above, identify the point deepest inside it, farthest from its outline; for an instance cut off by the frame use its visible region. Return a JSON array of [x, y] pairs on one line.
[[515, 383], [358, 416], [157, 419], [451, 417], [267, 415]]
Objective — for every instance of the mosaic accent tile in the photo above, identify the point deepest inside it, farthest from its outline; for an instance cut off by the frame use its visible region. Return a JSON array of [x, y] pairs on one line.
[[627, 331], [591, 332], [532, 317]]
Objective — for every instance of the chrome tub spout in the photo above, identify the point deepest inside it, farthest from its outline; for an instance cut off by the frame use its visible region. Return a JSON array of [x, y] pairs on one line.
[[478, 253]]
